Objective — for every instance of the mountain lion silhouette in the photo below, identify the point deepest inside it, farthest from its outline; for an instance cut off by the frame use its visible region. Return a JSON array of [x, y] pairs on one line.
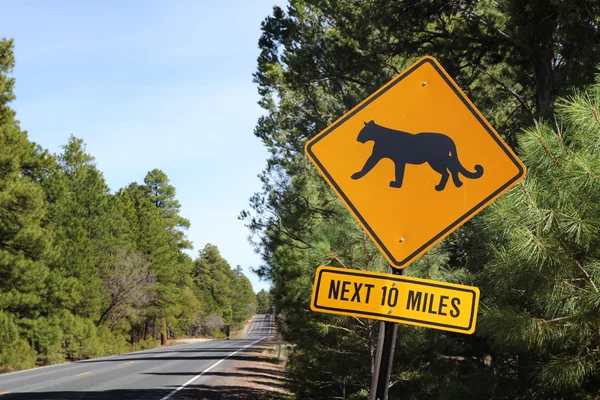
[[436, 149]]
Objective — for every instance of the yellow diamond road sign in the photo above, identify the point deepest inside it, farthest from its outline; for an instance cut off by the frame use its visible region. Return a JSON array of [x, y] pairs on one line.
[[395, 298], [414, 161]]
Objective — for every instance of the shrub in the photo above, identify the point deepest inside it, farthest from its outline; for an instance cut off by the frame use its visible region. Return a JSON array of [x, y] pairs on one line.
[[15, 353], [111, 342], [149, 343], [48, 338], [16, 356], [212, 325]]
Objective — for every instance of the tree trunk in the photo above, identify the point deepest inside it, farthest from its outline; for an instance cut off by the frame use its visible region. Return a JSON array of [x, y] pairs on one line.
[[146, 328], [543, 66], [163, 333], [540, 24], [372, 344]]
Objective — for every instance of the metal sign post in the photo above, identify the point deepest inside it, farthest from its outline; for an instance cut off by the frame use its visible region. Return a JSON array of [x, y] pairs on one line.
[[385, 354]]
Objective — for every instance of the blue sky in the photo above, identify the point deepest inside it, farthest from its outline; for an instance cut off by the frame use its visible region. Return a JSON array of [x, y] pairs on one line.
[[151, 84]]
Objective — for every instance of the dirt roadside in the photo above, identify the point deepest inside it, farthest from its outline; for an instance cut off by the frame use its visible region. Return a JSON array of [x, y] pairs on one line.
[[256, 374]]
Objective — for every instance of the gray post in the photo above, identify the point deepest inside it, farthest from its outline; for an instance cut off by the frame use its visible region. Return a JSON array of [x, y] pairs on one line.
[[385, 354]]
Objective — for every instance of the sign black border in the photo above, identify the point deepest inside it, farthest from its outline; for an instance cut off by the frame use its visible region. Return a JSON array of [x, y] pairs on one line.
[[465, 216], [392, 278]]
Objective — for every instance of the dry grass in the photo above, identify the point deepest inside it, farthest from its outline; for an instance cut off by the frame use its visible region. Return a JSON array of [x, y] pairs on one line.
[[258, 376]]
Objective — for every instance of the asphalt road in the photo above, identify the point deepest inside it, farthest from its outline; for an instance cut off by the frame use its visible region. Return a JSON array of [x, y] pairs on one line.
[[157, 374]]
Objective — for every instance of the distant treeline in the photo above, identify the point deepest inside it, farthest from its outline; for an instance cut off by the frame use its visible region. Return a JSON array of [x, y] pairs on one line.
[[85, 272]]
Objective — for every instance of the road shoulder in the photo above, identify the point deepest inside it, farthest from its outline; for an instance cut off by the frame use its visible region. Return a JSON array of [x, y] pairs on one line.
[[257, 375]]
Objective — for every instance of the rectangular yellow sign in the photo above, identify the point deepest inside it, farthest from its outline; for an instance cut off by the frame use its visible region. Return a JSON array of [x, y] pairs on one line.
[[401, 299]]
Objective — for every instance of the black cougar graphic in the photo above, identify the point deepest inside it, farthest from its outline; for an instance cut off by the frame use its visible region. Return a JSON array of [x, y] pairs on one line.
[[436, 149]]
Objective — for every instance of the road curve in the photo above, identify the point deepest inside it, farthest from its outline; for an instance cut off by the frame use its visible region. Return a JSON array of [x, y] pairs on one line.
[[157, 374]]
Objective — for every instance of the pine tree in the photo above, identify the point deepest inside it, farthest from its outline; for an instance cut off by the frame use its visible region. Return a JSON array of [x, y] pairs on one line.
[[23, 241], [263, 301], [152, 214], [80, 219], [243, 298], [540, 311], [212, 278], [162, 195]]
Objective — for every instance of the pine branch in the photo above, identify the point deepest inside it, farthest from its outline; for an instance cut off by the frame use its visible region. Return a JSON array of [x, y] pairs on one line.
[[589, 278], [360, 321], [546, 149], [569, 284], [587, 170], [519, 98], [346, 330], [526, 194], [283, 229], [329, 350], [485, 360], [596, 115], [535, 239], [560, 140], [334, 256], [549, 321]]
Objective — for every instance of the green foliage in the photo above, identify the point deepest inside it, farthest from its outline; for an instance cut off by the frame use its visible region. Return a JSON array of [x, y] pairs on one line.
[[542, 313], [15, 353], [48, 339], [80, 337], [152, 213], [162, 195], [243, 298], [513, 58], [19, 355], [211, 276], [111, 342], [263, 301], [226, 292], [23, 240], [79, 219], [146, 344]]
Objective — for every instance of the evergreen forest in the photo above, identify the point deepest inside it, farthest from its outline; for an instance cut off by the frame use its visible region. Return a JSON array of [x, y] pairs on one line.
[[86, 272], [532, 67]]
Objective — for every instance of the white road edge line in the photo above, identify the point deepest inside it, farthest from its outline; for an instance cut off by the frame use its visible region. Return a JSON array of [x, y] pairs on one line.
[[209, 368]]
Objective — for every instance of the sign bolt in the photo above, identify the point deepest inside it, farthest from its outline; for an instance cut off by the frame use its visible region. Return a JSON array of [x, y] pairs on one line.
[[424, 84], [401, 240], [391, 311]]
